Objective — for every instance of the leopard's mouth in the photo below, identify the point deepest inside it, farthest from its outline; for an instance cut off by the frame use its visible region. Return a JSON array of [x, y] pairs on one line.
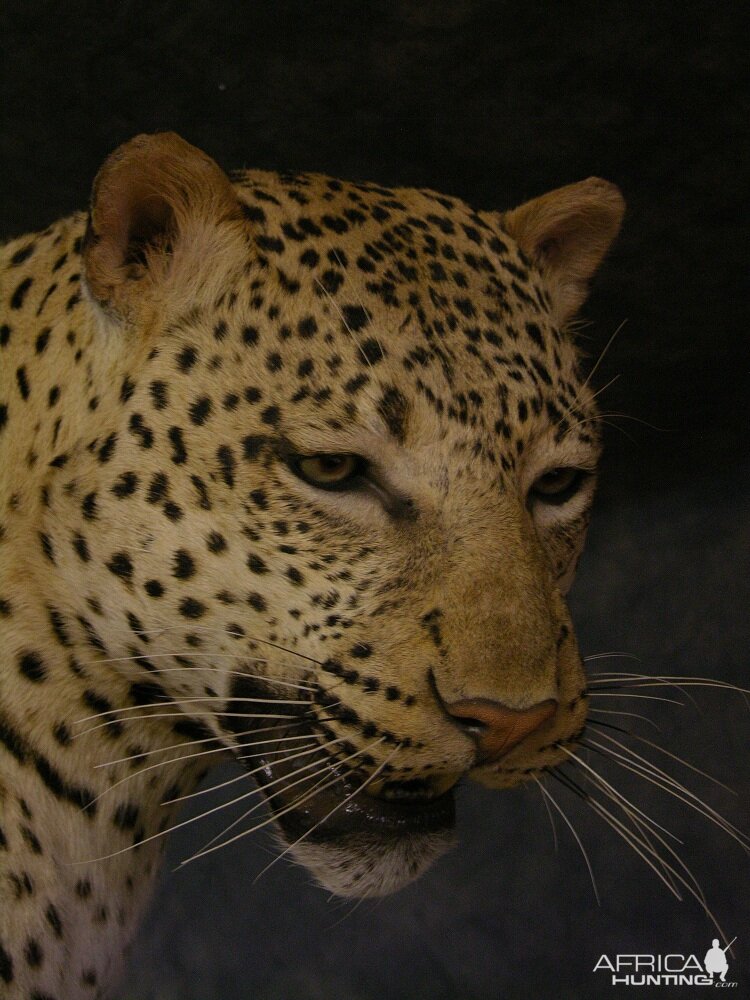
[[314, 796], [346, 803], [358, 834]]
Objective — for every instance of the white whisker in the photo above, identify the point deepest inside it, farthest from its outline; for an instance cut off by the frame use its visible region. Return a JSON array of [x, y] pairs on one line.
[[183, 715], [634, 715], [632, 839], [546, 793], [328, 815], [653, 774], [276, 815], [550, 817], [306, 751], [231, 673], [657, 680], [644, 697], [603, 783], [187, 701], [191, 653], [646, 825], [616, 654], [212, 739], [681, 760]]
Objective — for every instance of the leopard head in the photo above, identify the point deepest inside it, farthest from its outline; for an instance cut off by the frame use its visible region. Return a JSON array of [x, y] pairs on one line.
[[351, 467]]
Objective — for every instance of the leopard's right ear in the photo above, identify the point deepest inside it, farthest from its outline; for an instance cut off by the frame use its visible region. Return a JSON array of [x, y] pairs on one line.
[[566, 233], [157, 207]]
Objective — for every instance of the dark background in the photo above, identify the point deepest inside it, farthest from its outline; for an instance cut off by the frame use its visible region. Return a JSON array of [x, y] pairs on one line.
[[495, 102]]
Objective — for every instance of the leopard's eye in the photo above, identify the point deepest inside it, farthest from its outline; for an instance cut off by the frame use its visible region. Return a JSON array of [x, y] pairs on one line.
[[557, 486], [328, 472]]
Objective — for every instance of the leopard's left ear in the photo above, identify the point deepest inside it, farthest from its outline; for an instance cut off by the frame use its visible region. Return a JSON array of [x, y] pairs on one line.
[[566, 233]]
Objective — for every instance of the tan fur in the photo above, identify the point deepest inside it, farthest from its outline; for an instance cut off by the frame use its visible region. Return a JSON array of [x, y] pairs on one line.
[[208, 329], [567, 232]]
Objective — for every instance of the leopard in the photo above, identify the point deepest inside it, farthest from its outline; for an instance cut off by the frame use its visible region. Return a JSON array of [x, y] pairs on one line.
[[295, 472]]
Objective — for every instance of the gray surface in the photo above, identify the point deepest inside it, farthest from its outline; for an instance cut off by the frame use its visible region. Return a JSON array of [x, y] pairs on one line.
[[503, 915]]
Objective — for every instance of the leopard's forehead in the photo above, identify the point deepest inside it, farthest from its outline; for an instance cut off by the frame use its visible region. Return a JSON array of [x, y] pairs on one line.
[[361, 306]]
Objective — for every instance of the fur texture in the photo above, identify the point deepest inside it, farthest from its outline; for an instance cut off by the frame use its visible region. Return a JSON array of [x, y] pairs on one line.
[[168, 575]]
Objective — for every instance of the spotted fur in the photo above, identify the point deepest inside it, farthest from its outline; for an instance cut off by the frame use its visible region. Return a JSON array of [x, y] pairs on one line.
[[163, 360]]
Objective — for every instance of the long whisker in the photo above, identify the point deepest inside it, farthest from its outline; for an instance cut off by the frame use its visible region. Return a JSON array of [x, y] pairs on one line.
[[641, 848], [284, 779], [645, 826], [593, 371], [610, 656], [595, 395], [549, 816], [335, 809], [250, 638], [328, 766], [276, 815], [645, 697], [622, 681], [638, 420], [182, 715], [636, 842], [158, 630], [547, 794], [211, 739], [680, 760], [241, 673], [655, 680], [176, 826], [192, 654], [306, 751], [604, 784], [610, 711], [187, 701], [653, 774], [220, 749], [224, 673], [604, 353]]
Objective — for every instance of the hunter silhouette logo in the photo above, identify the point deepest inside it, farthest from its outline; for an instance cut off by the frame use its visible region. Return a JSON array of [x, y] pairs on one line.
[[716, 959], [673, 969]]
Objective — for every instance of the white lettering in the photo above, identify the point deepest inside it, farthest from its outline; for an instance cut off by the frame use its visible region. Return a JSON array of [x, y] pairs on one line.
[[693, 963], [672, 969], [677, 966]]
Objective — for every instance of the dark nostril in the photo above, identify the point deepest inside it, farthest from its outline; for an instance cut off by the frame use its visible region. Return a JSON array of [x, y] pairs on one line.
[[494, 727]]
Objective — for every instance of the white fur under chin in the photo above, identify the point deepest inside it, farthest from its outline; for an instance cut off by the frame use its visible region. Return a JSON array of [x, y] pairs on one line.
[[363, 866]]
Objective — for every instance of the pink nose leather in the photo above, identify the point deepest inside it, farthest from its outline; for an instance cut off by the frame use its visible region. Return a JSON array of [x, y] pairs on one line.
[[498, 729]]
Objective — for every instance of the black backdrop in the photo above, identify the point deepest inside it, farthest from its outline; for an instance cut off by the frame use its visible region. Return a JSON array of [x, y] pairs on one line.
[[494, 102]]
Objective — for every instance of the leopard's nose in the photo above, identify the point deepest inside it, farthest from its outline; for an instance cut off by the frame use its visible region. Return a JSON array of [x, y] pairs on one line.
[[494, 727]]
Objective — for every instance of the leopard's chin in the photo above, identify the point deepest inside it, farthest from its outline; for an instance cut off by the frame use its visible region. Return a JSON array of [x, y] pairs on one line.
[[356, 843], [360, 865]]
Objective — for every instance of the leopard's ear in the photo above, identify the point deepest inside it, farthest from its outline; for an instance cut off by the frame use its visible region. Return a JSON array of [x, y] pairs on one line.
[[156, 205], [566, 233]]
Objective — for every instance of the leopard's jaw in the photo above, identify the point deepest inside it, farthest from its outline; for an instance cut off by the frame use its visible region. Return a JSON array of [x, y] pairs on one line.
[[169, 369]]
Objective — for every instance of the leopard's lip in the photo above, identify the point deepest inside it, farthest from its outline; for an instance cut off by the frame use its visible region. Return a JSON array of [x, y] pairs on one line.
[[341, 808]]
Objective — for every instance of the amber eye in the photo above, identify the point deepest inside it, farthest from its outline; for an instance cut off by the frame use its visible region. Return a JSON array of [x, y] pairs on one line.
[[328, 472], [558, 485]]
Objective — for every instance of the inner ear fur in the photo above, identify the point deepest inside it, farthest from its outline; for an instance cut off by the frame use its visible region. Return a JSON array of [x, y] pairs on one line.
[[154, 205], [566, 233]]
